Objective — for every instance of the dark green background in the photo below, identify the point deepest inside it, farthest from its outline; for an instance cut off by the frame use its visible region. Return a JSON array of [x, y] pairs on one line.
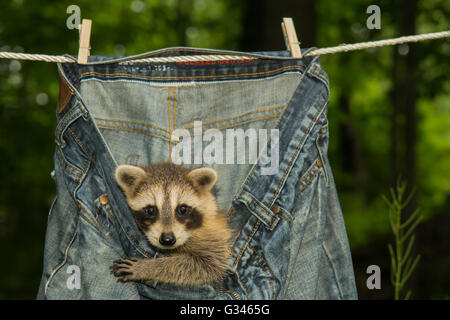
[[389, 112]]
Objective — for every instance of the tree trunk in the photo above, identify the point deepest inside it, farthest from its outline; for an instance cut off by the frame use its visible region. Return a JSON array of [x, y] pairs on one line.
[[395, 98], [262, 23], [410, 97], [351, 145]]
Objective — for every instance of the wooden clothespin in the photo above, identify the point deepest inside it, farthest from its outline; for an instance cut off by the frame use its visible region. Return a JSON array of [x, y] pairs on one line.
[[290, 38], [85, 36]]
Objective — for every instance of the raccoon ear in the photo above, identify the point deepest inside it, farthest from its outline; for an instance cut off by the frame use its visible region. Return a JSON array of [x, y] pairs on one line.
[[128, 176], [203, 178]]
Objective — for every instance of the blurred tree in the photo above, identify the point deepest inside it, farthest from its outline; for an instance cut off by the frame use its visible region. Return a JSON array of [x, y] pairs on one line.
[[405, 88], [261, 22]]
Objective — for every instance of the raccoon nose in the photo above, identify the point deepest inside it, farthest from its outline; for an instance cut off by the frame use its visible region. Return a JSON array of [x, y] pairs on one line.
[[167, 239]]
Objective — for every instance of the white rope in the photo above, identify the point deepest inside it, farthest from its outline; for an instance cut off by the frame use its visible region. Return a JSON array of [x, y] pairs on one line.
[[379, 43], [34, 57], [314, 52]]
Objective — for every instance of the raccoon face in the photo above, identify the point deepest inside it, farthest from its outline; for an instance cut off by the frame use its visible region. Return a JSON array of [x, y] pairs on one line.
[[169, 202]]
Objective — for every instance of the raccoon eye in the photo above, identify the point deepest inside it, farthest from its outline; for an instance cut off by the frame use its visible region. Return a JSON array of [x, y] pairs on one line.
[[150, 210], [183, 210]]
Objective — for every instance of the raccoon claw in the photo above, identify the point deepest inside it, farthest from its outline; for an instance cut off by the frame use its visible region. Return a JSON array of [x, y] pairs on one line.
[[124, 269]]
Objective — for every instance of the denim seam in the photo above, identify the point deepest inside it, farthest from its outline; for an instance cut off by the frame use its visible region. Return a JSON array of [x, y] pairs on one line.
[[186, 83], [95, 225], [132, 122], [78, 141], [250, 236], [242, 284], [76, 111], [302, 140], [229, 291], [105, 207], [309, 177], [53, 204], [288, 215], [170, 124], [174, 123], [87, 220], [66, 163], [83, 147], [59, 266], [104, 126], [255, 252], [269, 213], [248, 120], [234, 294], [216, 286], [168, 109], [334, 270], [237, 123], [320, 154], [221, 286], [174, 118], [72, 174], [174, 108], [79, 204], [276, 126], [101, 139], [252, 207], [62, 124], [94, 221], [251, 202], [316, 69], [291, 163], [239, 116], [269, 272], [288, 221], [321, 76]]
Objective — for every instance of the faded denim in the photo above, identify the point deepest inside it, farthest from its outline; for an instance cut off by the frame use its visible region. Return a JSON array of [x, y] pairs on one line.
[[290, 240]]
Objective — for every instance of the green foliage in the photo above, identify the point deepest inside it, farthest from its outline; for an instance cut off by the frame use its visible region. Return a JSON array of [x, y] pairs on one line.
[[29, 92], [402, 265], [363, 219]]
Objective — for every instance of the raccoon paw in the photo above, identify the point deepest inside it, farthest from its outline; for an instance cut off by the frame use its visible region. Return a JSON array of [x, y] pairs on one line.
[[126, 269]]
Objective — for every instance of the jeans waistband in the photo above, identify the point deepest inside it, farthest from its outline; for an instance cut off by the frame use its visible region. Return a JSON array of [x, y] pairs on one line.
[[186, 51], [257, 65]]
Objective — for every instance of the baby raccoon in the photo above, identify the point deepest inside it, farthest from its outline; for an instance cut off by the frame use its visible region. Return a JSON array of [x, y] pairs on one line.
[[175, 209]]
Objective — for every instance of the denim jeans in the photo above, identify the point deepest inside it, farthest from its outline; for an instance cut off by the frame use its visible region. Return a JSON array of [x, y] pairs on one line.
[[289, 237]]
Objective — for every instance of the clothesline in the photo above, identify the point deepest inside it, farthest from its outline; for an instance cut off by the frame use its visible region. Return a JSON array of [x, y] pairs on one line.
[[313, 52]]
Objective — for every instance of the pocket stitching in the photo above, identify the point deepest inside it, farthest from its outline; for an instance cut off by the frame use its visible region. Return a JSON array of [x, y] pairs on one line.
[[310, 175]]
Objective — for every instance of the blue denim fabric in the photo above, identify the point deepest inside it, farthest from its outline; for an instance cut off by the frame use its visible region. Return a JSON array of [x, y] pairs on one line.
[[290, 240]]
